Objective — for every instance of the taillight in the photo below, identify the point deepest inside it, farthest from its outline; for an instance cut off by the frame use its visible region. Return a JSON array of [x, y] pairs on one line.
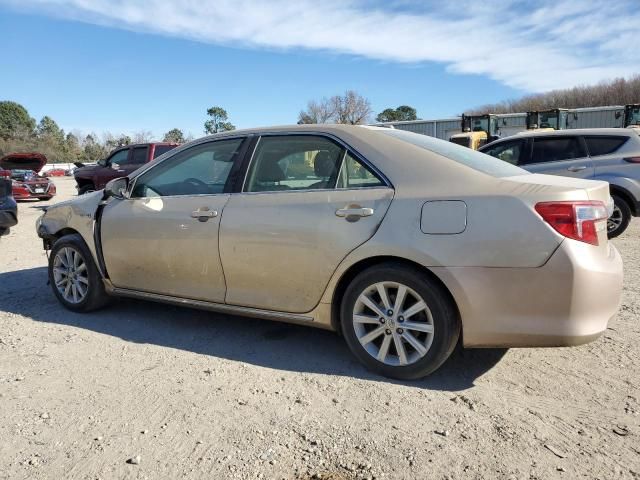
[[580, 220], [632, 159]]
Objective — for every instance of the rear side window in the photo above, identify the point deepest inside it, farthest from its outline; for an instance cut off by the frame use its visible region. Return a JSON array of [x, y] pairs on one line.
[[555, 149], [354, 174], [463, 155], [139, 155], [161, 149], [604, 145]]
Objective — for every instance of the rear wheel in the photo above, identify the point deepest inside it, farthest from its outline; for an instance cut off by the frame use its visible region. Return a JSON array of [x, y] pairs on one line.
[[399, 322], [74, 277], [620, 218]]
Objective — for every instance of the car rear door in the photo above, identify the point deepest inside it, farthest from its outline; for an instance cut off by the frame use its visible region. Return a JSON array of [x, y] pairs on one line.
[[164, 238], [559, 155], [306, 203]]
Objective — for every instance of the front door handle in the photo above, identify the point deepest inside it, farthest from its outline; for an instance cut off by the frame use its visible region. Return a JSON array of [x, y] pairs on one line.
[[577, 168], [354, 212], [204, 214]]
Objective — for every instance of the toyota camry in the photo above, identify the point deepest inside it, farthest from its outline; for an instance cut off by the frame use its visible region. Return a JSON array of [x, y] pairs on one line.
[[404, 244]]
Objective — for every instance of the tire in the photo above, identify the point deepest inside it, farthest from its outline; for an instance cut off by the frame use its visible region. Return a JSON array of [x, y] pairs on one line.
[[619, 220], [86, 189], [358, 322], [62, 255]]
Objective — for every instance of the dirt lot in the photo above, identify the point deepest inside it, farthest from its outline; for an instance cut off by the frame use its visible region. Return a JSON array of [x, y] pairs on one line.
[[198, 395]]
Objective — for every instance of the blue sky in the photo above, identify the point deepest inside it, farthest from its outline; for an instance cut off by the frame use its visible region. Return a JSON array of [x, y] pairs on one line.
[[127, 66]]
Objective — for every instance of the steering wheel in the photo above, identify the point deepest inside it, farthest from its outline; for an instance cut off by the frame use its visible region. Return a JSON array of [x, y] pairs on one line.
[[196, 182]]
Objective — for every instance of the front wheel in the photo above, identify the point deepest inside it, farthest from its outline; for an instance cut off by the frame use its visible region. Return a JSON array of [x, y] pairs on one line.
[[620, 218], [74, 277], [399, 322]]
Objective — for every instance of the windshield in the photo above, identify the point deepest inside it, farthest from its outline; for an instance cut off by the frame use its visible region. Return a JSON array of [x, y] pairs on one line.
[[465, 156]]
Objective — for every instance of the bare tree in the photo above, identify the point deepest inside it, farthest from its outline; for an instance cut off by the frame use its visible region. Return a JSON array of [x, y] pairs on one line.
[[619, 91], [351, 108], [322, 111], [142, 136]]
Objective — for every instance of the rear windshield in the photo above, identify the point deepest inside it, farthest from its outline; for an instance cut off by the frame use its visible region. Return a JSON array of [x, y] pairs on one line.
[[602, 145], [470, 158], [160, 149]]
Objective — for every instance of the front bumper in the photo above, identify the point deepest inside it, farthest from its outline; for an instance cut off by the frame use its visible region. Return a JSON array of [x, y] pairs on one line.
[[567, 301]]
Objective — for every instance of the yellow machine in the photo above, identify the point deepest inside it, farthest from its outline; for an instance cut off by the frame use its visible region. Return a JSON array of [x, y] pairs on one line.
[[476, 131]]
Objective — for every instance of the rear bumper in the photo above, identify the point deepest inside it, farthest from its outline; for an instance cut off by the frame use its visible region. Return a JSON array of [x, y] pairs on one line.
[[568, 301]]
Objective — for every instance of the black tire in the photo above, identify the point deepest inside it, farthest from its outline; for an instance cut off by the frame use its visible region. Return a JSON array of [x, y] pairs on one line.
[[95, 296], [86, 189], [446, 321], [624, 217]]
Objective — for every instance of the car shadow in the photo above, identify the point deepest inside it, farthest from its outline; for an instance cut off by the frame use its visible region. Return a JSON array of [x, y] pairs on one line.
[[258, 342]]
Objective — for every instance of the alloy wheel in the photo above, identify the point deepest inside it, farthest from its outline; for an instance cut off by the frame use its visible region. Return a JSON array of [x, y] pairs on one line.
[[393, 323], [70, 275], [615, 220]]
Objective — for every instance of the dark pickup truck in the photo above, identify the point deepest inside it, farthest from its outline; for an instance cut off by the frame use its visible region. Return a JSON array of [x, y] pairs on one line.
[[120, 163], [8, 208]]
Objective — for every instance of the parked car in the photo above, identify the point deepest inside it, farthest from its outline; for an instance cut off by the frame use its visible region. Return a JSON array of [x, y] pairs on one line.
[[609, 154], [120, 163], [8, 207], [404, 243], [56, 172], [27, 184]]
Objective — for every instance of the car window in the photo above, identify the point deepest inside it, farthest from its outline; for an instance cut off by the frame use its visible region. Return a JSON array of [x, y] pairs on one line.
[[200, 170], [601, 145], [353, 174], [506, 151], [120, 157], [294, 162], [462, 155], [139, 155], [162, 149], [555, 149]]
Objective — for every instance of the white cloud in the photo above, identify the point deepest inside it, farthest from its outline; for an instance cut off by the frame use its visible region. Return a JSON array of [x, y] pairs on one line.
[[530, 46]]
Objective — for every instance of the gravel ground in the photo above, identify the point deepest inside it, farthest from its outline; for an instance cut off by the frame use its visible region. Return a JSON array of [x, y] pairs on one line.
[[143, 390]]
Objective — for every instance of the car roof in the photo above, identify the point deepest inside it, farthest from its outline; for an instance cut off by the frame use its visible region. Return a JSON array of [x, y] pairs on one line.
[[571, 132]]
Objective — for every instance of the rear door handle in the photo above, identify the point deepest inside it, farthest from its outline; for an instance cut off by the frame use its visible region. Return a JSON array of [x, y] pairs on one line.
[[204, 214], [577, 168], [354, 212]]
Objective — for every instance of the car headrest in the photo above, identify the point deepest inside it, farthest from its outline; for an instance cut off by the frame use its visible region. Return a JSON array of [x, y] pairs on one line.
[[268, 168], [323, 166]]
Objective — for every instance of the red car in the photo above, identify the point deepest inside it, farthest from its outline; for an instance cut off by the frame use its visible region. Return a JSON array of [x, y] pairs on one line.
[[26, 182]]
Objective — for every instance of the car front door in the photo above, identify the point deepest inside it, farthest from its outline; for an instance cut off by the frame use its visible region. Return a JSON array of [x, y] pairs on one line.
[[305, 204], [164, 238], [559, 155], [111, 167]]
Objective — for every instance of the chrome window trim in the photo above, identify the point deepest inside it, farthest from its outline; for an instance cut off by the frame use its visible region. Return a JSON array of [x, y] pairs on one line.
[[339, 141]]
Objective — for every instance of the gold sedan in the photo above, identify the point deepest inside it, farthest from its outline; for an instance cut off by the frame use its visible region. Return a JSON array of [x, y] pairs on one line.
[[403, 243]]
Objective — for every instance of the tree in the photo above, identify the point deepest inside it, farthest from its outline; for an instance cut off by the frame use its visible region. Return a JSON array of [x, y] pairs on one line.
[[15, 120], [317, 112], [48, 129], [400, 114], [351, 108], [175, 135], [143, 136], [218, 121]]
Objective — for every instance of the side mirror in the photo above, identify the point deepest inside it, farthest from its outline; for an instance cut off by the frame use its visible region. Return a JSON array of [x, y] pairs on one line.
[[117, 188]]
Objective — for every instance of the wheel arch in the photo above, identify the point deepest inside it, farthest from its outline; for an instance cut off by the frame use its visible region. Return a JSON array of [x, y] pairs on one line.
[[626, 196], [360, 266]]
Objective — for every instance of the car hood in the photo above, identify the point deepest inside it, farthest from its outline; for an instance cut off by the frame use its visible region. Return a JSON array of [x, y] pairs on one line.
[[86, 171], [23, 161]]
